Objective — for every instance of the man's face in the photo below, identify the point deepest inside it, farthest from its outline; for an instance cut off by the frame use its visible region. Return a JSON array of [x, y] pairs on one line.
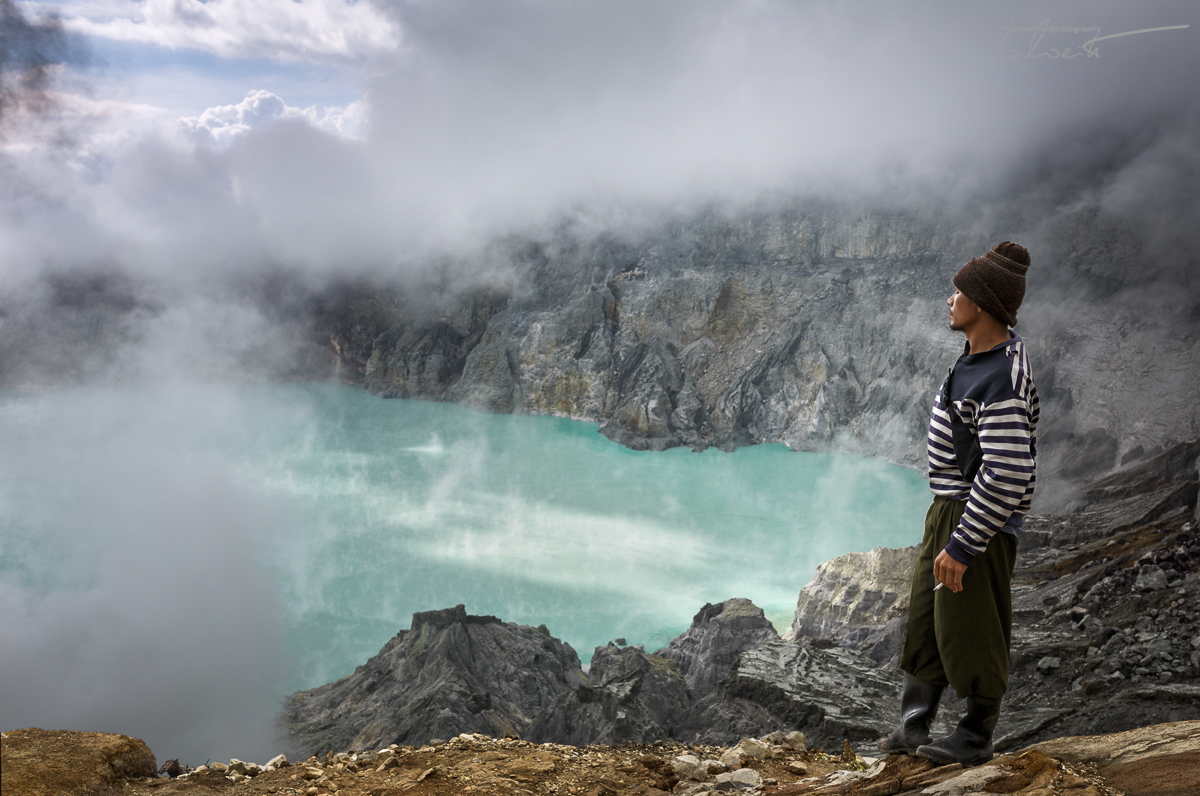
[[963, 312]]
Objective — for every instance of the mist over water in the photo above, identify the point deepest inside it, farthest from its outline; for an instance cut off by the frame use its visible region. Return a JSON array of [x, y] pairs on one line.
[[175, 559]]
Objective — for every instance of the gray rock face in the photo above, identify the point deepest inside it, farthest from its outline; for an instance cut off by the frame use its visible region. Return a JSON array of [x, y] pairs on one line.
[[818, 327], [710, 647], [859, 600], [424, 357], [716, 332], [450, 673], [829, 693], [630, 697]]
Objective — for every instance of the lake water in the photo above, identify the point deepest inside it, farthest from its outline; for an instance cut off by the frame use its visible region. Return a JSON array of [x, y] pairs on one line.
[[211, 548]]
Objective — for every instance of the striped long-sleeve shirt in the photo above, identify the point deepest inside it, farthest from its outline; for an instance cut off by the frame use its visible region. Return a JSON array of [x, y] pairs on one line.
[[993, 393]]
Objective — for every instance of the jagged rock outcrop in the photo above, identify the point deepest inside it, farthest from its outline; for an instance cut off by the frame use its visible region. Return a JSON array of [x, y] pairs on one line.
[[36, 762], [710, 647], [859, 600], [450, 673], [830, 693], [639, 697], [630, 697], [454, 673]]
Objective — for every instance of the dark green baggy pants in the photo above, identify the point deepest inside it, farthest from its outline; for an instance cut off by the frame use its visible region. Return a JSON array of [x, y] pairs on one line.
[[963, 639]]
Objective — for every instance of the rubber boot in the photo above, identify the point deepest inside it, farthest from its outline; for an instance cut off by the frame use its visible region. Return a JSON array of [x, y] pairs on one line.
[[971, 743], [918, 707]]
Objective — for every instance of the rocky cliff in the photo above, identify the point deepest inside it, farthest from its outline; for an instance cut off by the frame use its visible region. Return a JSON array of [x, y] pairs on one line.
[[816, 326], [813, 324]]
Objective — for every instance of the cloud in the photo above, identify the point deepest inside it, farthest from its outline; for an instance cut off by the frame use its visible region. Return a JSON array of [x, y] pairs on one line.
[[494, 119], [280, 29], [225, 122]]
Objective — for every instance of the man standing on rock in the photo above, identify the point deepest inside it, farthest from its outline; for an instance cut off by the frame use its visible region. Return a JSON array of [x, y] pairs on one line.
[[982, 445]]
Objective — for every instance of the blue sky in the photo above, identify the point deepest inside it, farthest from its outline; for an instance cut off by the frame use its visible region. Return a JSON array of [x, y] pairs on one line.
[[187, 56], [186, 81]]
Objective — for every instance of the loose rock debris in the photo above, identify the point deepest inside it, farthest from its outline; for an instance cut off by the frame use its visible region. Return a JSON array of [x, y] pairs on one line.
[[477, 764]]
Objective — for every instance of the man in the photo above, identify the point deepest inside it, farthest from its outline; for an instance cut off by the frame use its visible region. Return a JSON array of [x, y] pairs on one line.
[[982, 445]]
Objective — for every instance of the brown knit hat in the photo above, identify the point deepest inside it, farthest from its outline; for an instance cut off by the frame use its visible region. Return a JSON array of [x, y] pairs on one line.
[[996, 281]]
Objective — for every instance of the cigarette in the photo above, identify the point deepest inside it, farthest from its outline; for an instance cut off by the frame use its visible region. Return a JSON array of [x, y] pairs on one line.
[[940, 585]]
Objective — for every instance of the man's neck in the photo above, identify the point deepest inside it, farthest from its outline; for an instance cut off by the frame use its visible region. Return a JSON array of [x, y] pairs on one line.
[[985, 339]]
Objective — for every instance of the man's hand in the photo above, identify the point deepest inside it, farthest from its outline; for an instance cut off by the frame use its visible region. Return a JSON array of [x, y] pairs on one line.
[[948, 571]]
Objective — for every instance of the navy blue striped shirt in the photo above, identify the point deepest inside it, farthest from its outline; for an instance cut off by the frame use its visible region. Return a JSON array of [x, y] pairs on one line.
[[993, 393]]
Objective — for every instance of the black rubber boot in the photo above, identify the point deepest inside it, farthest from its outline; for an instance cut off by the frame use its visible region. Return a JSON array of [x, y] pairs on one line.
[[918, 707], [971, 743]]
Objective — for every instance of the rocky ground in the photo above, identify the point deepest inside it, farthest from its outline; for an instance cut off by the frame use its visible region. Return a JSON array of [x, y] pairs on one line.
[[1161, 760]]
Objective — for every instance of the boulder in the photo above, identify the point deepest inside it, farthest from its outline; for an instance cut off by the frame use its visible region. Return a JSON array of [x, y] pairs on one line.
[[742, 779], [1150, 578], [1159, 760], [690, 767], [796, 741], [36, 762]]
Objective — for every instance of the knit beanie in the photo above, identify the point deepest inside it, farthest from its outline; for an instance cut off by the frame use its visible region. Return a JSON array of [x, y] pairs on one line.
[[996, 281]]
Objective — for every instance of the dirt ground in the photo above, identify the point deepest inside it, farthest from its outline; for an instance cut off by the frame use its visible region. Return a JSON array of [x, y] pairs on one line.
[[488, 766]]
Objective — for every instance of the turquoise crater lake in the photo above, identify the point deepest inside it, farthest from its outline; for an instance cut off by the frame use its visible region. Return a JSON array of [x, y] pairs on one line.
[[348, 513]]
